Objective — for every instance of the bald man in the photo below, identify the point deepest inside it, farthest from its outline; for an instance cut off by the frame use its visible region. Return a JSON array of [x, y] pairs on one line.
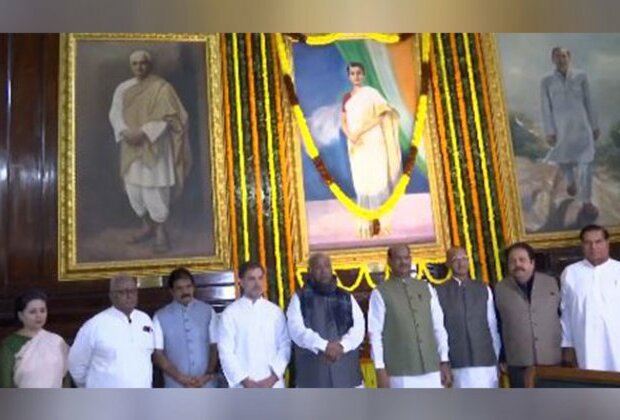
[[469, 318], [113, 348], [151, 127], [405, 325]]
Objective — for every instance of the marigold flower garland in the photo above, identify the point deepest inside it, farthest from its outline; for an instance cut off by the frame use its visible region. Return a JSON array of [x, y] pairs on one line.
[[243, 180], [363, 273], [423, 271], [272, 173], [483, 157], [492, 140], [313, 152], [443, 143], [469, 158], [329, 38], [258, 189], [283, 170], [229, 163], [455, 151]]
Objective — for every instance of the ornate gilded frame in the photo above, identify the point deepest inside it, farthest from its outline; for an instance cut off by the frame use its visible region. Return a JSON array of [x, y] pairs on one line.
[[375, 257], [511, 199], [68, 266]]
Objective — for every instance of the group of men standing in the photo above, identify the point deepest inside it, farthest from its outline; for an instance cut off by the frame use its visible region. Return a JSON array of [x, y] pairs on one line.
[[459, 334]]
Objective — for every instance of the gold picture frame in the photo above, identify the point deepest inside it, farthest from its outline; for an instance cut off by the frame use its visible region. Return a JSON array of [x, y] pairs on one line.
[[202, 241], [373, 257], [511, 197]]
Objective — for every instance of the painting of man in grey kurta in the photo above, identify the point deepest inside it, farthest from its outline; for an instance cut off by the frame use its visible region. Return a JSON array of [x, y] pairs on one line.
[[570, 126], [562, 99]]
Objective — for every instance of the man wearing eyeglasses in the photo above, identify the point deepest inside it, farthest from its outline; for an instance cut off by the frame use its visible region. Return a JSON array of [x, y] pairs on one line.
[[469, 318], [113, 349]]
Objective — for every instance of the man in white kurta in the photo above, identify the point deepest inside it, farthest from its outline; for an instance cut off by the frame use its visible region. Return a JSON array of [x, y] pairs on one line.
[[471, 323], [113, 349], [327, 331], [399, 260], [591, 305], [150, 125], [570, 126], [254, 345]]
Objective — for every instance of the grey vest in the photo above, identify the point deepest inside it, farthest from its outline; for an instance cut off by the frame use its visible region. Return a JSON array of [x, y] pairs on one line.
[[531, 331], [186, 338], [312, 371], [465, 318]]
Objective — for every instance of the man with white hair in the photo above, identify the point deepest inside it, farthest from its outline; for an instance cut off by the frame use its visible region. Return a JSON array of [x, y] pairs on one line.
[[327, 327], [570, 126], [151, 126], [113, 348]]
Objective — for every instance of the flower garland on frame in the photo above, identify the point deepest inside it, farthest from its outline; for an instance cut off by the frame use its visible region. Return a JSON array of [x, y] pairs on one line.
[[469, 158], [329, 38], [423, 271], [283, 168], [313, 152], [455, 150], [483, 158]]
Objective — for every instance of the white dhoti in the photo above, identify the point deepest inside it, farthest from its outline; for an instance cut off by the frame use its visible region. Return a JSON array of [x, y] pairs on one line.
[[154, 200], [428, 380], [475, 377]]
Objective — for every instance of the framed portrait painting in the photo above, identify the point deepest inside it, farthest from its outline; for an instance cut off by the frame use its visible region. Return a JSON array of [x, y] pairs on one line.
[[140, 127], [360, 96], [556, 99]]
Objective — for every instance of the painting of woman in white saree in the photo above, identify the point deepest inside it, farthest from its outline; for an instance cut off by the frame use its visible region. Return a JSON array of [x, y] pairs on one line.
[[371, 127], [359, 98]]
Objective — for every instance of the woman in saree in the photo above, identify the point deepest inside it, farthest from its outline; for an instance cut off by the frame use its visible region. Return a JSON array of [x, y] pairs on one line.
[[33, 357], [371, 127]]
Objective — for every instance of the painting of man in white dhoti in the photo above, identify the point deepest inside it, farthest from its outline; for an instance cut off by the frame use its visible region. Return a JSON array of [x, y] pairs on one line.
[[151, 127], [143, 160]]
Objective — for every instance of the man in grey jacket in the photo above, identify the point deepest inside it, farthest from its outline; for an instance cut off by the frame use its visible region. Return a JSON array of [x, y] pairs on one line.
[[528, 305]]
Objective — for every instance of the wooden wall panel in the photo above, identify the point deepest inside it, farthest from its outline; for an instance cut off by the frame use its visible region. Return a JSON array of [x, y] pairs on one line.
[[24, 160], [4, 142]]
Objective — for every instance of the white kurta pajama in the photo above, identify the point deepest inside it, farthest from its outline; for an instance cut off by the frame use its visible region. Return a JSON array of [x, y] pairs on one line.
[[481, 376], [113, 351], [376, 320], [567, 113], [147, 187], [591, 313], [253, 342]]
